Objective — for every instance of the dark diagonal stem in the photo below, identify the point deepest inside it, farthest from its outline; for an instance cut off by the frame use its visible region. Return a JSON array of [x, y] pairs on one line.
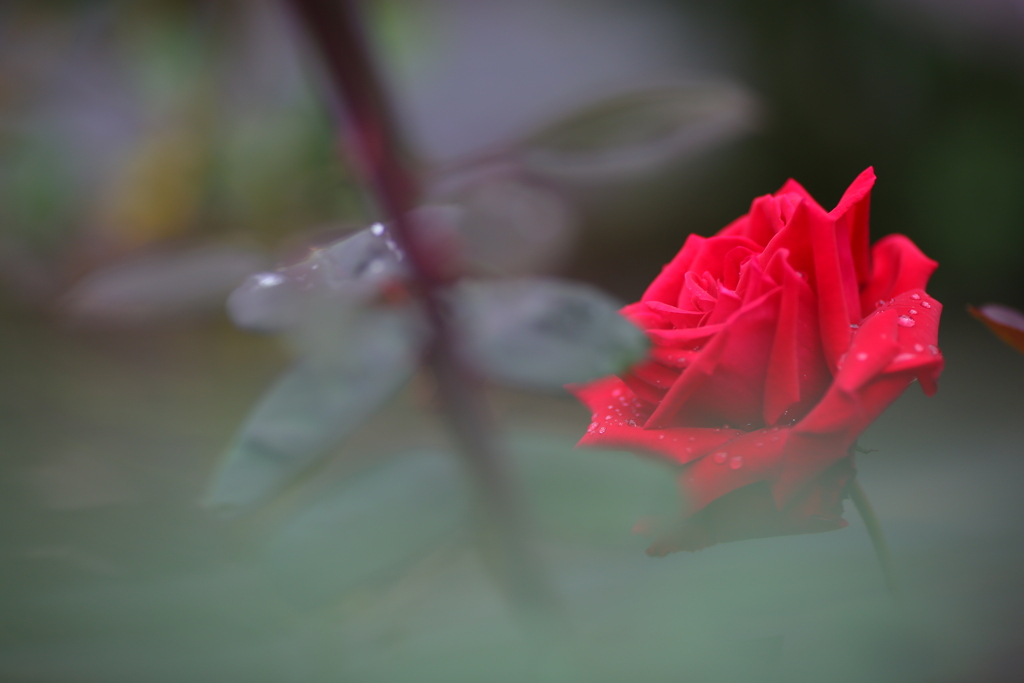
[[867, 513], [377, 150]]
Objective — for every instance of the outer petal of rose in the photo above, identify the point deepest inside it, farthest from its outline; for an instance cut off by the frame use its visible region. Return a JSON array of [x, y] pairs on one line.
[[749, 458], [760, 225], [835, 284], [793, 187], [884, 358], [667, 285], [851, 216], [737, 358], [811, 238], [897, 266], [679, 445], [750, 512], [1007, 323], [796, 374], [614, 406]]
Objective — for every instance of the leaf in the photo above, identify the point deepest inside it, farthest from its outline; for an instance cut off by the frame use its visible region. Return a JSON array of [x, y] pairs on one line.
[[159, 286], [543, 333], [321, 400], [354, 268], [1007, 323], [588, 495], [510, 227], [638, 131], [370, 526]]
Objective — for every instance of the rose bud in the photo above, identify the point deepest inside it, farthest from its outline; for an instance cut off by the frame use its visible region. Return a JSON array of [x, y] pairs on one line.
[[775, 343]]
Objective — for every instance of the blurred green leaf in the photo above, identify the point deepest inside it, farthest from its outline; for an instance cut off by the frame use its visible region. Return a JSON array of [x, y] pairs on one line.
[[639, 131], [589, 495], [346, 272], [370, 526], [543, 333], [354, 362]]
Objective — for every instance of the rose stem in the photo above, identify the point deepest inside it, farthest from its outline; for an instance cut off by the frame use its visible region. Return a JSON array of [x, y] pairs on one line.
[[375, 145], [867, 513]]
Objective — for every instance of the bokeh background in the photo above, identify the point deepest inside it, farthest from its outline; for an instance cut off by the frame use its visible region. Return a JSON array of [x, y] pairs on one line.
[[152, 154]]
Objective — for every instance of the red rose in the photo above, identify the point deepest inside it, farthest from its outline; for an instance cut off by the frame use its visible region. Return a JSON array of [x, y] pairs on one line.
[[776, 342]]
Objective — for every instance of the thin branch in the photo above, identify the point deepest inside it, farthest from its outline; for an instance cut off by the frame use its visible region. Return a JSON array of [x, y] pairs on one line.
[[867, 513], [378, 153]]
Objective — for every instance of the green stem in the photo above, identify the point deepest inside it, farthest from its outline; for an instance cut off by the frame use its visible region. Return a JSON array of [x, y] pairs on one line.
[[867, 513]]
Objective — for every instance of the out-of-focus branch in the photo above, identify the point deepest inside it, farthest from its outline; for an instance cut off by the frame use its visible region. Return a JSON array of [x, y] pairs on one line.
[[373, 141]]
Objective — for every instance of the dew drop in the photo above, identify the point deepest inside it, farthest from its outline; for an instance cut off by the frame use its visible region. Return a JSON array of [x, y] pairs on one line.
[[879, 303], [915, 297], [377, 229], [905, 321], [269, 279], [933, 348], [602, 430], [919, 348], [913, 311], [862, 356], [661, 436], [926, 304], [720, 457], [854, 326], [736, 462], [592, 427], [607, 417], [632, 423], [617, 392]]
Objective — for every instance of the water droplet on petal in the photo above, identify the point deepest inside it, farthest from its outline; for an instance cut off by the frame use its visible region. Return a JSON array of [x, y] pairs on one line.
[[861, 356], [607, 417], [933, 348], [617, 392], [736, 462], [854, 326], [661, 436], [592, 427], [919, 348], [632, 423], [913, 311], [720, 457], [905, 321], [377, 229], [926, 304], [602, 430], [915, 297]]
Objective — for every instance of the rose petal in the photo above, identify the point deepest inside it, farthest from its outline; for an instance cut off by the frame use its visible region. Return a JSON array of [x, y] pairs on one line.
[[665, 288], [869, 379], [725, 383], [750, 512], [797, 375], [851, 215], [897, 266]]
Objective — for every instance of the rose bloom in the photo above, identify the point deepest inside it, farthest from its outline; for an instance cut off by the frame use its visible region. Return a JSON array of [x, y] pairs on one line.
[[775, 343]]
